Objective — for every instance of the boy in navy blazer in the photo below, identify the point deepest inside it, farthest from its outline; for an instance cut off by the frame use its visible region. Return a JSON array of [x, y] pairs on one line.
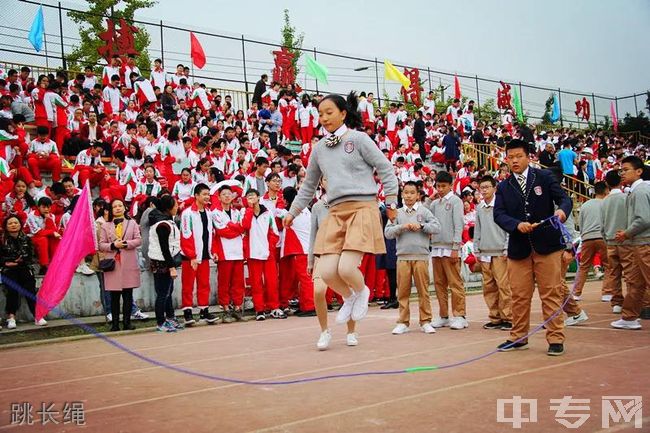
[[523, 201]]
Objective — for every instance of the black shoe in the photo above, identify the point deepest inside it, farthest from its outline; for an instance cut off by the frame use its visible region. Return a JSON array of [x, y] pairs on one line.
[[310, 313], [206, 315], [329, 307], [115, 328], [188, 317], [128, 327], [555, 349], [508, 346], [506, 326], [645, 313], [491, 325], [260, 316], [390, 305], [237, 314], [42, 270]]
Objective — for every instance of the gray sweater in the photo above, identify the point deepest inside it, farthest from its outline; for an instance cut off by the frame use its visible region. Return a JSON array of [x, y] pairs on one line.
[[412, 245], [638, 215], [319, 211], [613, 217], [349, 168], [489, 238], [449, 212], [590, 219]]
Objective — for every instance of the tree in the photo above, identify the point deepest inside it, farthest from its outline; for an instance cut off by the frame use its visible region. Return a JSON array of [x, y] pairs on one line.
[[292, 40], [548, 107], [639, 123], [93, 22]]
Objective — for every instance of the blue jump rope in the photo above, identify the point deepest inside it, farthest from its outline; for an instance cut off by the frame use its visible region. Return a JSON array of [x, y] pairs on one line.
[[554, 221]]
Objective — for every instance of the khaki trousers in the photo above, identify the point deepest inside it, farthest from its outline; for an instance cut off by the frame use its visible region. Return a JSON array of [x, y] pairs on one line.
[[446, 274], [638, 269], [588, 252], [614, 273], [571, 307], [407, 271], [496, 289], [543, 269]]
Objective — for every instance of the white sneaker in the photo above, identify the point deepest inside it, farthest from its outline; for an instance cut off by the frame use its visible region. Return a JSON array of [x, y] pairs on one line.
[[626, 324], [617, 309], [324, 340], [574, 320], [41, 322], [360, 307], [11, 323], [400, 329], [109, 317], [345, 312], [440, 322], [577, 298], [139, 315], [428, 329], [351, 339], [598, 273], [458, 323], [606, 298], [83, 268]]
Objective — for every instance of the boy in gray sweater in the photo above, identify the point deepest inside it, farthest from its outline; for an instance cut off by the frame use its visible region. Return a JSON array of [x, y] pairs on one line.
[[613, 218], [412, 227], [637, 233], [445, 246], [490, 247], [592, 240]]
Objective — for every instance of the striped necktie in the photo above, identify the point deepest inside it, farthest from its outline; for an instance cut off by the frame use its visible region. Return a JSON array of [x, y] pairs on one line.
[[522, 182]]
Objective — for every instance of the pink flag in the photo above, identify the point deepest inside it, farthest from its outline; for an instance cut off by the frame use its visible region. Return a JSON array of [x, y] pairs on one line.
[[612, 110], [78, 241]]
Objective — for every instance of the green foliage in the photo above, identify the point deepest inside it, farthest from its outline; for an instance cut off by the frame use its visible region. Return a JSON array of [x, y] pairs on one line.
[[488, 111], [548, 108], [639, 123], [292, 40], [93, 22]]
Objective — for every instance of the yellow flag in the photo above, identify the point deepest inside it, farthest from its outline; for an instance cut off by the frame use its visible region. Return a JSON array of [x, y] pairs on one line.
[[393, 74]]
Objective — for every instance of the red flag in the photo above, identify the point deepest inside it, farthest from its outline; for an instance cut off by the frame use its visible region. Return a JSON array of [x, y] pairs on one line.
[[78, 241], [456, 88], [196, 52]]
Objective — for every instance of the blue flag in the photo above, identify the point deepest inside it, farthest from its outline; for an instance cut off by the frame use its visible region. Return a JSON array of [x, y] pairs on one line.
[[37, 32], [555, 113]]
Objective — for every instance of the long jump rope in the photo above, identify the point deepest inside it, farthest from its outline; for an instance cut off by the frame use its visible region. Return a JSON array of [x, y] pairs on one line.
[[553, 221]]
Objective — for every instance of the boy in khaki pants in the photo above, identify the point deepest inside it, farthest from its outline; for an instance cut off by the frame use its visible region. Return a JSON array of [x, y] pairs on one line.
[[491, 246], [412, 227]]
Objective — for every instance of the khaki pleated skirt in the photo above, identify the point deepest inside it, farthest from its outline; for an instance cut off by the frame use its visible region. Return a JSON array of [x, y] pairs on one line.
[[351, 226]]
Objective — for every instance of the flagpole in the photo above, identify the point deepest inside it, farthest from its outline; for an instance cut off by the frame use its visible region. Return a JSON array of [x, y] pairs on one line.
[[47, 61]]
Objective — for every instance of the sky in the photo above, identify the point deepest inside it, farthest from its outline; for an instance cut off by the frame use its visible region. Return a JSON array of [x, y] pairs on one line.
[[583, 45], [598, 46]]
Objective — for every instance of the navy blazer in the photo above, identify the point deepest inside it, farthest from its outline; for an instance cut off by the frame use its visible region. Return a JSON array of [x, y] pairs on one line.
[[512, 206]]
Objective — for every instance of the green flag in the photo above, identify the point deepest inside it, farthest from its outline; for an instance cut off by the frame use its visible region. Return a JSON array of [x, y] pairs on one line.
[[316, 70], [517, 103]]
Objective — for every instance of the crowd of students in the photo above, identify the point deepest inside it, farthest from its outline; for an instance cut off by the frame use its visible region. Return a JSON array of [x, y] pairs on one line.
[[165, 148]]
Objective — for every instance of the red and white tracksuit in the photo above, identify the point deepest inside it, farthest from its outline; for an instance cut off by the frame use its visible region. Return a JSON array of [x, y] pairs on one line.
[[229, 247], [192, 249], [122, 186], [50, 161], [260, 244], [84, 169], [305, 119], [41, 229], [295, 246]]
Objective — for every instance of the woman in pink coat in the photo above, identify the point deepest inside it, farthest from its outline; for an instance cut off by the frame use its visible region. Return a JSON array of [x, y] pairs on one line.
[[118, 239]]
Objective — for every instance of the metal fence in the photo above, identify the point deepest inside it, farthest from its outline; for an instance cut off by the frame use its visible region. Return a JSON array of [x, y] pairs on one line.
[[235, 62]]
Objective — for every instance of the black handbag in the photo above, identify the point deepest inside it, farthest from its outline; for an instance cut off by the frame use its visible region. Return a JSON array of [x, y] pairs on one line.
[[178, 260], [106, 265]]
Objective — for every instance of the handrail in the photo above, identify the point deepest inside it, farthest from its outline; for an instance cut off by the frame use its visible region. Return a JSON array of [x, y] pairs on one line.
[[570, 184]]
